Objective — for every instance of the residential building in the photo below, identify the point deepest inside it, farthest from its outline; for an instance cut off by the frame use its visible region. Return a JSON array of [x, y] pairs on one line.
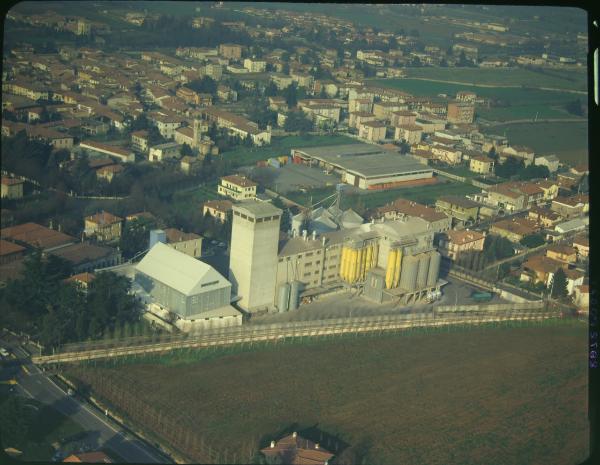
[[543, 216], [12, 188], [232, 51], [514, 229], [562, 253], [10, 252], [255, 66], [237, 187], [121, 154], [356, 118], [481, 165], [82, 280], [454, 242], [410, 133], [570, 207], [188, 243], [460, 112], [581, 296], [140, 141], [37, 236], [109, 172], [296, 450], [104, 226], [88, 457], [399, 118], [238, 125], [540, 269], [218, 209], [373, 131], [462, 210], [582, 245], [518, 151], [570, 226], [551, 162], [161, 152], [88, 257], [438, 221], [189, 165]]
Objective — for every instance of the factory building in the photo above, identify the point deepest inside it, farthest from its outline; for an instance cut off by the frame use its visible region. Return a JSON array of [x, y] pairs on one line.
[[387, 259], [324, 220], [186, 291], [253, 262], [365, 166]]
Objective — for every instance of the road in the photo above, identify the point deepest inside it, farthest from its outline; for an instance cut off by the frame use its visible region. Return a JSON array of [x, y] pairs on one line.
[[102, 432]]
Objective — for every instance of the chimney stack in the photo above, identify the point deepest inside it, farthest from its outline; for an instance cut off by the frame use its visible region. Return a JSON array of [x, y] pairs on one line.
[[317, 445], [294, 434], [314, 235], [304, 234], [272, 444]]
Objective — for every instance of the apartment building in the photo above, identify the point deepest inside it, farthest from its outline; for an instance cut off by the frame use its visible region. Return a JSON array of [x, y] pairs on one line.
[[237, 187]]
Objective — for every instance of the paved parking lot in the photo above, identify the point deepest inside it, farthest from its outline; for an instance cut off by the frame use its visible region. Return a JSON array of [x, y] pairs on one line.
[[347, 304]]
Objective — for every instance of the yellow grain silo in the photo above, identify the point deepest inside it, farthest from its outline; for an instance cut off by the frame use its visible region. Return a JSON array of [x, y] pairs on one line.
[[397, 267], [347, 262], [375, 256], [389, 274], [343, 263], [368, 260]]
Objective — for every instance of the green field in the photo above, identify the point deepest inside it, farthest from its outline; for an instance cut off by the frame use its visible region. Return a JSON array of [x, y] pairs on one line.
[[244, 156], [559, 79], [186, 201], [568, 141], [494, 395], [521, 103]]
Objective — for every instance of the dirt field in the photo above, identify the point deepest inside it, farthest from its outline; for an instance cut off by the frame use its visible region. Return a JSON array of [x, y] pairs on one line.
[[487, 395]]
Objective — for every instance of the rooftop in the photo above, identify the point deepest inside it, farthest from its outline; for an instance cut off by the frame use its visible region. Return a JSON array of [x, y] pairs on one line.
[[36, 235], [464, 236], [366, 160], [83, 252], [256, 208], [7, 248], [239, 180], [180, 271], [104, 218], [175, 235]]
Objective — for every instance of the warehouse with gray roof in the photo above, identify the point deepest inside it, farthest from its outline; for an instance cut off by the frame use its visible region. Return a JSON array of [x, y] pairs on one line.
[[365, 166], [184, 286]]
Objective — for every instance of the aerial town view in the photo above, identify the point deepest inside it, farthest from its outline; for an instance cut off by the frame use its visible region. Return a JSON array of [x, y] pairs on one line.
[[294, 233]]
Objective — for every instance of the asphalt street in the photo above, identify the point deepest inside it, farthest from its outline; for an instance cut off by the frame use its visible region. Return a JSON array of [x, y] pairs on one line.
[[102, 432]]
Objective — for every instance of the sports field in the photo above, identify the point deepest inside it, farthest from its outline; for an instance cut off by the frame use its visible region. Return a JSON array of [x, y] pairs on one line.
[[568, 141], [494, 395]]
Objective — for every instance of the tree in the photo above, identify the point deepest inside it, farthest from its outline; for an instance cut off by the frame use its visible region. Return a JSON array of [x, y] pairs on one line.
[[186, 150], [296, 121], [534, 172], [206, 85], [533, 240], [493, 154], [290, 93], [511, 167], [559, 284], [135, 236], [16, 421]]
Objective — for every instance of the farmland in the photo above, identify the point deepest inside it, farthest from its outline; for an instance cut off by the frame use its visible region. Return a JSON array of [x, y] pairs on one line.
[[495, 395], [568, 141], [518, 102], [502, 77]]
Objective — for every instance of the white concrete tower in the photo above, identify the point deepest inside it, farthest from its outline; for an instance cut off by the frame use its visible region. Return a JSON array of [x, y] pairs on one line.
[[253, 257]]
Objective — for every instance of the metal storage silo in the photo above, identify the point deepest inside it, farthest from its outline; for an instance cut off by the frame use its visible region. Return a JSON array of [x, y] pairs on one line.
[[423, 270], [284, 297], [391, 263], [434, 268], [397, 268], [157, 235], [408, 276], [294, 295]]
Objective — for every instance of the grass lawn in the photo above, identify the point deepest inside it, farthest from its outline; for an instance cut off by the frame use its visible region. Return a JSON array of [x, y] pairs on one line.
[[568, 141], [310, 197], [48, 426], [559, 79], [244, 156], [460, 170], [494, 395], [193, 199]]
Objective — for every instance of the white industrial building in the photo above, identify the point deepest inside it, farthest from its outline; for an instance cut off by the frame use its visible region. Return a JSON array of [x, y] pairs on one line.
[[184, 291], [365, 166], [253, 256]]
